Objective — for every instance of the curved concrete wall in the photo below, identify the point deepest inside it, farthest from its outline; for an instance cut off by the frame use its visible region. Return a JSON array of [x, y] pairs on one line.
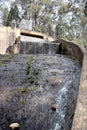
[[71, 49], [63, 47], [80, 117]]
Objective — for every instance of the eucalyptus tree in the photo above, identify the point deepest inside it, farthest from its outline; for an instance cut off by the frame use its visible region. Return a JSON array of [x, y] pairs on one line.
[[41, 14], [58, 18], [71, 14], [5, 15], [13, 15]]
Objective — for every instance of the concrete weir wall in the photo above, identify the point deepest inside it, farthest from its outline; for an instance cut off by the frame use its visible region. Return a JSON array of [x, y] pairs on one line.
[[71, 49], [8, 36], [63, 47], [38, 48], [74, 51]]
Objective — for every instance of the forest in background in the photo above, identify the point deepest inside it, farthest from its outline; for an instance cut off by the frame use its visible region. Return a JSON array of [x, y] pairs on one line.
[[58, 18]]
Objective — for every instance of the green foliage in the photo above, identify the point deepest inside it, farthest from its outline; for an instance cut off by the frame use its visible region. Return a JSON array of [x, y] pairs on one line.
[[29, 65], [35, 72], [58, 31], [85, 8], [40, 12], [33, 79], [23, 90], [57, 18], [5, 15], [81, 41], [5, 59], [28, 69], [28, 90], [13, 14], [32, 89], [31, 60], [32, 72]]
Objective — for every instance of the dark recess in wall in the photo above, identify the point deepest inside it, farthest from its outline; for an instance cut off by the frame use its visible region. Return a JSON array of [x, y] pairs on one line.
[[32, 35]]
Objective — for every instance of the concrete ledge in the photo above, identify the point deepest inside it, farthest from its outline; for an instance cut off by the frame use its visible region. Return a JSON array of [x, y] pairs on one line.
[[36, 34]]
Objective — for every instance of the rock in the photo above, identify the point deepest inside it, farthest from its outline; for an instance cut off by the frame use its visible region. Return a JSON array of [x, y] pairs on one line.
[[14, 126], [54, 107]]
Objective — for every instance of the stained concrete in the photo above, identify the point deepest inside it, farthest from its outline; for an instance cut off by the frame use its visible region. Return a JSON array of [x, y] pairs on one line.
[[39, 48], [80, 119], [71, 49], [8, 36], [29, 84]]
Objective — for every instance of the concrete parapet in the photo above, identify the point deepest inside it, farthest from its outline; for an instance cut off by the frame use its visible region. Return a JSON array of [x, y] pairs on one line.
[[80, 118], [74, 50], [71, 49]]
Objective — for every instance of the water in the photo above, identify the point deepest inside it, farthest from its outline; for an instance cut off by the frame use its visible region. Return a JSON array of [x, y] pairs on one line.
[[38, 48], [62, 102], [29, 103]]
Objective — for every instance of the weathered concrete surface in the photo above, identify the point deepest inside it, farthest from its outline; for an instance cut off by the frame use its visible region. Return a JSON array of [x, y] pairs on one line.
[[26, 24], [8, 36], [61, 47], [36, 34], [15, 48], [39, 48], [31, 39], [30, 84], [80, 119], [71, 49]]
